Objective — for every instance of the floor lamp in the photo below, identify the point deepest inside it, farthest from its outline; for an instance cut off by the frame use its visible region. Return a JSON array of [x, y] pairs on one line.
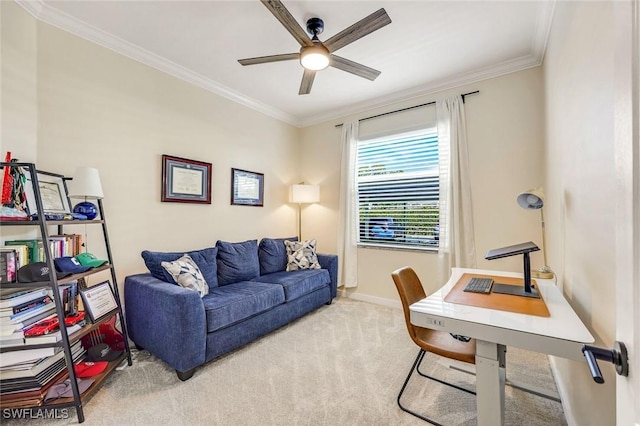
[[533, 199], [303, 194]]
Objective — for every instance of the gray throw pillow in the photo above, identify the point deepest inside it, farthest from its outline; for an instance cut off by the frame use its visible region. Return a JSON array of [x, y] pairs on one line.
[[301, 255], [187, 274]]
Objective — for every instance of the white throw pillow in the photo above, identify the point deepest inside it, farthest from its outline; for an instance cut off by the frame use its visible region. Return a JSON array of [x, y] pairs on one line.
[[301, 255], [187, 274]]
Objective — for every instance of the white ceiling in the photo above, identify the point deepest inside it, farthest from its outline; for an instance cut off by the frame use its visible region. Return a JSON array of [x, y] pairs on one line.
[[429, 46]]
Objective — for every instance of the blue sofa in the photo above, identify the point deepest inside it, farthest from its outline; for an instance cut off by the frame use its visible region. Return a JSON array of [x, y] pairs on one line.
[[250, 294]]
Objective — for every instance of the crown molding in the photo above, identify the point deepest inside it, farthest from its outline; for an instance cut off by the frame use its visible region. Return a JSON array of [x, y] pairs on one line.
[[45, 13]]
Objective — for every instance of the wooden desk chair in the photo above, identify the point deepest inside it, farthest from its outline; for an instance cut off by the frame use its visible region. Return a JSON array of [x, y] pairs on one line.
[[434, 341]]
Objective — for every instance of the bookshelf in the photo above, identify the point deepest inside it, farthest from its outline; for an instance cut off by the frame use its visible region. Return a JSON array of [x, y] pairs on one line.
[[68, 342]]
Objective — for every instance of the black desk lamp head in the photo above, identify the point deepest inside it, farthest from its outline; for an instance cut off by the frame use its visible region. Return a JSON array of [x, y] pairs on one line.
[[524, 249]]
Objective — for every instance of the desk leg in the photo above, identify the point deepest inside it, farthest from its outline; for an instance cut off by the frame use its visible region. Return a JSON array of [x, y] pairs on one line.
[[490, 379]]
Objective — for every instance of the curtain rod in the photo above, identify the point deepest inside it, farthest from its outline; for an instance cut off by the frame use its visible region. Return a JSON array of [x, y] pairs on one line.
[[407, 108]]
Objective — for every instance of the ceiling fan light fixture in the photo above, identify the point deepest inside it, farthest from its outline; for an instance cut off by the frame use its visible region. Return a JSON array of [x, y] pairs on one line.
[[314, 57]]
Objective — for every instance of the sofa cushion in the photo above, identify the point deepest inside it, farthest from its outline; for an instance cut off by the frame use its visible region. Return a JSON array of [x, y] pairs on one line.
[[301, 255], [237, 261], [297, 283], [229, 304], [273, 254], [187, 274], [205, 259]]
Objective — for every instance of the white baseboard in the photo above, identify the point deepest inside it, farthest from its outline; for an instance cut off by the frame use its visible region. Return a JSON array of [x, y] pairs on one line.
[[371, 299]]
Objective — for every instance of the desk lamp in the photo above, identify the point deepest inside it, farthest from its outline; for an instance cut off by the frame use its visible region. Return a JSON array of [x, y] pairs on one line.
[[533, 199], [303, 194], [86, 184]]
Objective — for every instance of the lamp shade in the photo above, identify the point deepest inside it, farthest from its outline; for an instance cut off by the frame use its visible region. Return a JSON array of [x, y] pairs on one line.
[[85, 184], [302, 193], [532, 199]]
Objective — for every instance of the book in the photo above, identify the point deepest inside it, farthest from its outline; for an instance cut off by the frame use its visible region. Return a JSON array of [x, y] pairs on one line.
[[7, 329], [27, 322], [72, 243], [14, 339], [38, 368], [52, 337], [43, 307], [30, 395], [40, 373], [33, 248], [7, 312], [8, 265], [18, 298], [17, 357], [22, 254]]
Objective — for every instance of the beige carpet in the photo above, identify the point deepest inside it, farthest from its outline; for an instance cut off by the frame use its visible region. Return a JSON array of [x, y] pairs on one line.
[[340, 365]]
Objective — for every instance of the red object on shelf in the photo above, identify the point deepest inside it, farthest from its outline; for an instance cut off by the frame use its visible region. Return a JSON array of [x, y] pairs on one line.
[[70, 320], [106, 333], [43, 327], [7, 182]]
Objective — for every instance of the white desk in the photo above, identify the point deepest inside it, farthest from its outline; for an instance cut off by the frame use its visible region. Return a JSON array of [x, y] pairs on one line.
[[561, 334]]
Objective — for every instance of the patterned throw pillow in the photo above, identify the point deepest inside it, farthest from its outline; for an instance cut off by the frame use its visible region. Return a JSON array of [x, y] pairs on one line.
[[301, 255], [187, 274]]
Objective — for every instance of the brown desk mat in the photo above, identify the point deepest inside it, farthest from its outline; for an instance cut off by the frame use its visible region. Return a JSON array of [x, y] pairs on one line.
[[501, 302]]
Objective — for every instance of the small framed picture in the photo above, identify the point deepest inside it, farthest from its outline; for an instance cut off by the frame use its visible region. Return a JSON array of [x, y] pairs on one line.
[[98, 300], [247, 188], [53, 190], [185, 181]]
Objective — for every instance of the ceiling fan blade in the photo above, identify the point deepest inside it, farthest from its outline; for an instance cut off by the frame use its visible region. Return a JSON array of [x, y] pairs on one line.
[[307, 82], [271, 58], [354, 68], [288, 21], [365, 26]]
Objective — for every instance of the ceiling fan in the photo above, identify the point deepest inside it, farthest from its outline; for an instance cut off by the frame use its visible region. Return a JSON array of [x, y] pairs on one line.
[[315, 55]]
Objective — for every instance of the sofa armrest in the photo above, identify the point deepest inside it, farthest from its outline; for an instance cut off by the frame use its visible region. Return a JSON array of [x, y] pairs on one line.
[[330, 263], [166, 319]]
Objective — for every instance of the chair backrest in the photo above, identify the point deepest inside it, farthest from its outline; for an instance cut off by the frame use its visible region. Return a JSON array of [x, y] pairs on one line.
[[410, 291]]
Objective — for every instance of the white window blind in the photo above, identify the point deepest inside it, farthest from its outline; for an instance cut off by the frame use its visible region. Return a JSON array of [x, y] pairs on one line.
[[398, 190]]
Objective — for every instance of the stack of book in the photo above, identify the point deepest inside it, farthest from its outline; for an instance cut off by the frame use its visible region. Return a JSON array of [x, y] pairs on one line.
[[17, 253], [20, 309], [27, 372], [25, 383]]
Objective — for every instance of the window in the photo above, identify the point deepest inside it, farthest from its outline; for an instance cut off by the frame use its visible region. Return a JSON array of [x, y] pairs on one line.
[[398, 190]]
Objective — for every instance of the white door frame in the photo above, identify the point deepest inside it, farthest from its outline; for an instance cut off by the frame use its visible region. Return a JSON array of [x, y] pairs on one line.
[[627, 167]]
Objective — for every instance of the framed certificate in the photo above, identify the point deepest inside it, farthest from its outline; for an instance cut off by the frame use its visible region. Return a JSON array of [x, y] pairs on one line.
[[53, 193], [247, 188], [185, 181], [98, 300]]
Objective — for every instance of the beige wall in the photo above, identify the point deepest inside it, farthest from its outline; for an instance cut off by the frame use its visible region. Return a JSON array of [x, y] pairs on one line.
[[581, 203], [18, 97], [505, 134], [100, 109]]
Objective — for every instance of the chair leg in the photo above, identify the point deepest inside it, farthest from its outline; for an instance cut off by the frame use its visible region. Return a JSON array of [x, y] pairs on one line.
[[441, 381], [414, 367]]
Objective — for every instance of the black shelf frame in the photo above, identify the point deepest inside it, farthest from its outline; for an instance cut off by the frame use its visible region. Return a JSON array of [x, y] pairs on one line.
[[54, 284]]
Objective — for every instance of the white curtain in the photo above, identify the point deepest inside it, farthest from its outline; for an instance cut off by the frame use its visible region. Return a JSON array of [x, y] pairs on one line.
[[457, 242], [348, 213]]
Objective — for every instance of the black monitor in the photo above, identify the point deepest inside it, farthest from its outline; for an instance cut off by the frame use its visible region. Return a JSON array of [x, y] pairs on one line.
[[524, 249]]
